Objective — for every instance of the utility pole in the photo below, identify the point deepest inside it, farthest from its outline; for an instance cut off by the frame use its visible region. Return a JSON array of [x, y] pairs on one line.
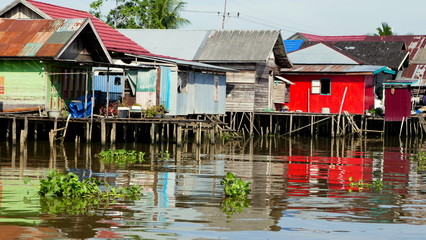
[[226, 14], [224, 17]]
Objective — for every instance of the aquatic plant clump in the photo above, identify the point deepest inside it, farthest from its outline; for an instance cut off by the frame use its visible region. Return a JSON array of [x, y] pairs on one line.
[[376, 185], [68, 186], [120, 156], [421, 160], [235, 187]]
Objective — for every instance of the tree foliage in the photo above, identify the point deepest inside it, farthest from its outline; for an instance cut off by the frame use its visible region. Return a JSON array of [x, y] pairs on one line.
[[384, 30], [152, 14]]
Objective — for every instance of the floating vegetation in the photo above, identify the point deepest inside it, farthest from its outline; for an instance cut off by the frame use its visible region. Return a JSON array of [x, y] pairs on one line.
[[120, 156], [65, 193], [421, 160], [361, 185], [235, 187], [164, 155]]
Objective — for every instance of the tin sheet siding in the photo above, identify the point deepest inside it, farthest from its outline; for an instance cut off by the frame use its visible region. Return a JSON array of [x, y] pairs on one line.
[[24, 83], [200, 97], [165, 87], [173, 100], [115, 90], [205, 94], [100, 84], [397, 103]]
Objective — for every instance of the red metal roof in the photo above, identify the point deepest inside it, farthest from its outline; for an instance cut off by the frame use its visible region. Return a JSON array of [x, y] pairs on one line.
[[36, 38], [317, 38], [112, 39]]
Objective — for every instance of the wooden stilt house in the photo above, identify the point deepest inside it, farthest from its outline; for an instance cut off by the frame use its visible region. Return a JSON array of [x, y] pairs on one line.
[[47, 63]]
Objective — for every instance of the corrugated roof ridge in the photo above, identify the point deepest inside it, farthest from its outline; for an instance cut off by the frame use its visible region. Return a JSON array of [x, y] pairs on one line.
[[313, 37]]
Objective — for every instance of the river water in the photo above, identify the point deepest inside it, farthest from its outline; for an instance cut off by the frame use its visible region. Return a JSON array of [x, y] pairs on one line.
[[300, 190]]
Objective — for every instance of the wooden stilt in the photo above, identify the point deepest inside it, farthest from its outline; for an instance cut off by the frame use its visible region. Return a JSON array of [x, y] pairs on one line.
[[179, 135], [103, 132], [290, 127], [251, 123], [113, 133], [212, 135], [14, 131], [402, 124], [152, 133], [332, 127], [312, 126], [125, 132], [35, 131], [22, 138], [406, 127], [25, 128], [88, 133], [384, 128]]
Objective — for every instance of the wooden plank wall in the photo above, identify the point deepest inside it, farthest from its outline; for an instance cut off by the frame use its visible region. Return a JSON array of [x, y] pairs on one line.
[[21, 12]]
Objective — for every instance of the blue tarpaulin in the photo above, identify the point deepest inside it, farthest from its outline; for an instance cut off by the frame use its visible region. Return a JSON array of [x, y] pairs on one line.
[[76, 107]]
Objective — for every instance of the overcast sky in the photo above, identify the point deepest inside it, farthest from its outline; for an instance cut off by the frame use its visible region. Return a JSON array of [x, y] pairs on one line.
[[321, 17]]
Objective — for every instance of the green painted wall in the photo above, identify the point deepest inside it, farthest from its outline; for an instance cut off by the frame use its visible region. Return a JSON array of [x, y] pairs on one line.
[[28, 84], [24, 82]]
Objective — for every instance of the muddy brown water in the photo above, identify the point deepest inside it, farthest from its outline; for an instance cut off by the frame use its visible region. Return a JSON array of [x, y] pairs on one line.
[[300, 190]]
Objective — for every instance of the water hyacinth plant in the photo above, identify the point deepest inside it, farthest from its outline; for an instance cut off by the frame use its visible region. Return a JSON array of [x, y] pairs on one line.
[[120, 156], [65, 194], [235, 187], [69, 186]]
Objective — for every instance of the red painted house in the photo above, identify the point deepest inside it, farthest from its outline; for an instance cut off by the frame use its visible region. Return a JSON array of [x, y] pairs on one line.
[[327, 80]]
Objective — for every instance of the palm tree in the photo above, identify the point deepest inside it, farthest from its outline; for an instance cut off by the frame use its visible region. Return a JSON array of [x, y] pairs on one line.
[[385, 30], [152, 14], [165, 14]]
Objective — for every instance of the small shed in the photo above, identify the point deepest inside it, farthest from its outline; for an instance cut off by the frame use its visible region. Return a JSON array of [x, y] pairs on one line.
[[397, 99]]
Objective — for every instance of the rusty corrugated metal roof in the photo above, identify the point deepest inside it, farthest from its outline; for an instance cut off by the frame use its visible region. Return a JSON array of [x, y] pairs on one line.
[[40, 38]]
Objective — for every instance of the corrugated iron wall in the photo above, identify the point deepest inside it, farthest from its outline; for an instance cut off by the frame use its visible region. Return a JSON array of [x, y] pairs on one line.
[[114, 86], [165, 86], [201, 95], [397, 103]]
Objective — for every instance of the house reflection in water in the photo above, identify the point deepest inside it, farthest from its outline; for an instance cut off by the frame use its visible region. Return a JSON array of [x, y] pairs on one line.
[[303, 171]]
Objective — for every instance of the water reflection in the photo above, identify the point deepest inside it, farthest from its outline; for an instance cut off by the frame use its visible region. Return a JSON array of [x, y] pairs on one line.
[[298, 180]]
